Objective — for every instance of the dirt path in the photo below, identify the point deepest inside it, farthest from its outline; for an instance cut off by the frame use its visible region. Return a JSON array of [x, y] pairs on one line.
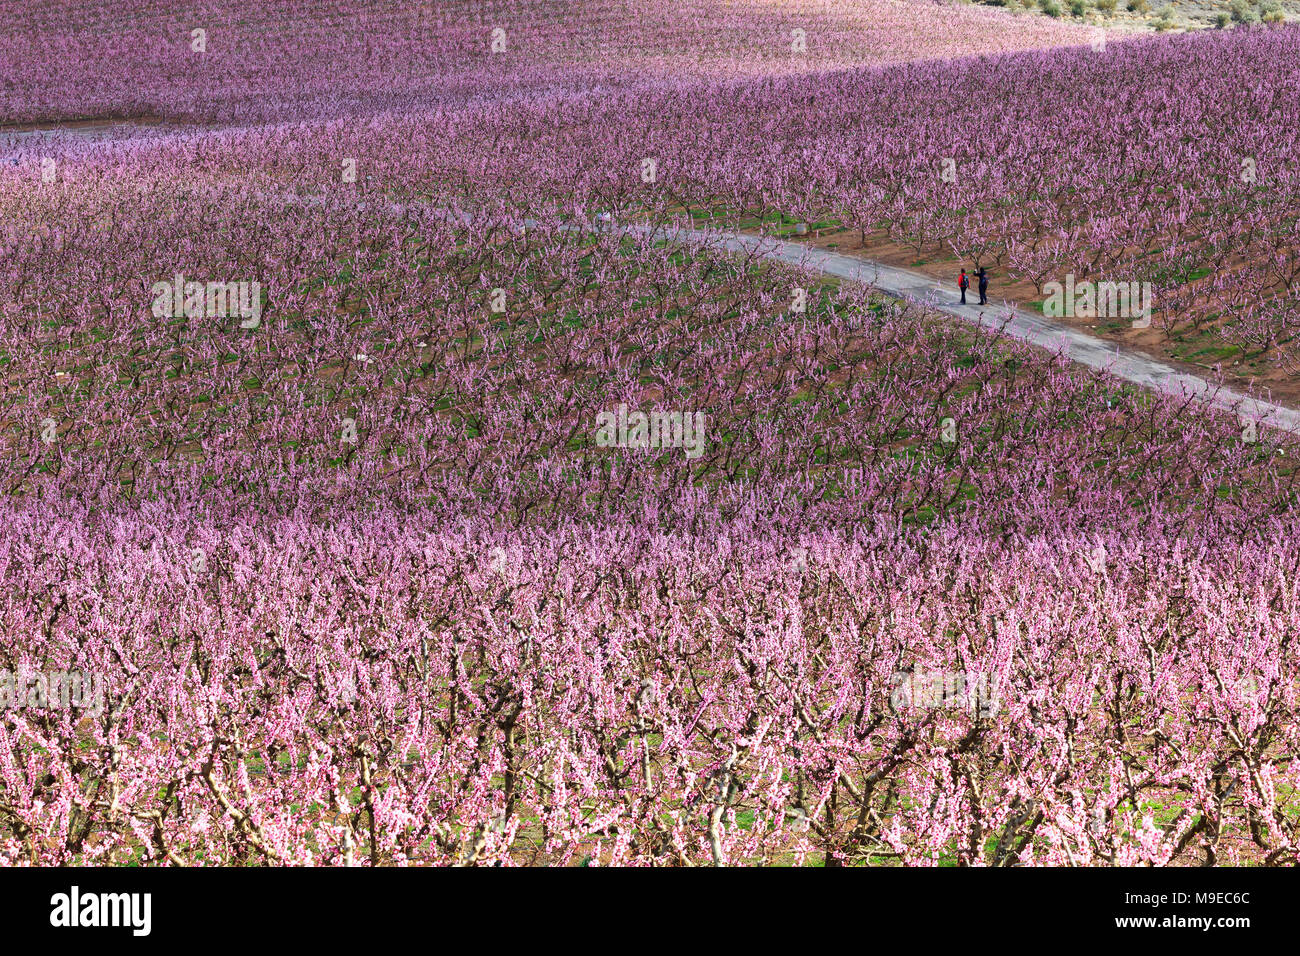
[[88, 128], [1117, 360]]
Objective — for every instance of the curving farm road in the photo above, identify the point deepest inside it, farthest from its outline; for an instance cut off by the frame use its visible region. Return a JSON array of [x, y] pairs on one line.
[[1122, 362]]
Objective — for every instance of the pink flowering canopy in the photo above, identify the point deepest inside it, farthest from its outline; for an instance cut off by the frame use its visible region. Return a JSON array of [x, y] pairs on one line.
[[363, 582]]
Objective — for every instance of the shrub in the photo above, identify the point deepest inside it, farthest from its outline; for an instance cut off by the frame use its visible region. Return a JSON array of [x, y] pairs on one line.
[[1051, 8], [1139, 6], [1107, 7], [1078, 8], [1242, 12]]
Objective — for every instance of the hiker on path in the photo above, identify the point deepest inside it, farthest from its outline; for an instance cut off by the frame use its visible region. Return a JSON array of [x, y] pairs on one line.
[[963, 283], [984, 285]]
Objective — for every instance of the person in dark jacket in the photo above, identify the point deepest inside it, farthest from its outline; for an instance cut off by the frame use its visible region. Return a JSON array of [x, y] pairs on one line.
[[963, 283], [984, 285]]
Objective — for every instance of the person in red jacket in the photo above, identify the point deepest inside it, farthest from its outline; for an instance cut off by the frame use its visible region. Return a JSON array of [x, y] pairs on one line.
[[963, 283]]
